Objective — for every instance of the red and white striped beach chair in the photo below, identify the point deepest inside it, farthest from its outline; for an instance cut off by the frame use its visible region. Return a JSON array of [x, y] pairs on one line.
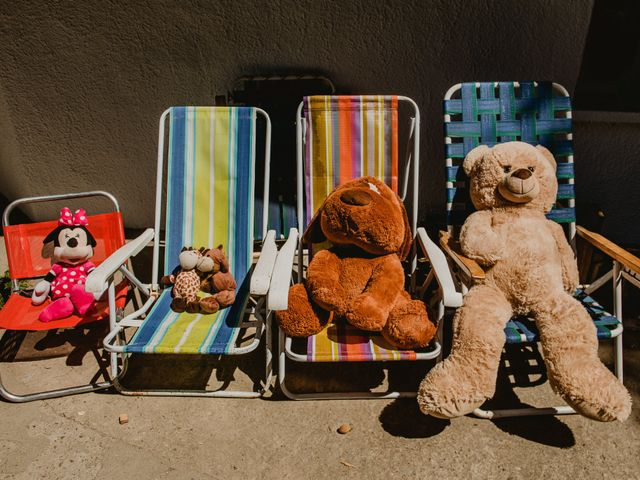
[[340, 138]]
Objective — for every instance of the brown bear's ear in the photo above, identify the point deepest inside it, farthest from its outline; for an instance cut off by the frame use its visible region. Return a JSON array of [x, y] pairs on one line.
[[472, 158], [313, 232], [548, 155], [405, 248]]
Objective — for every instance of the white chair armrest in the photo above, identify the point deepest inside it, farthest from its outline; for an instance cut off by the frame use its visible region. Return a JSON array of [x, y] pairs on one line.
[[261, 276], [278, 296], [97, 279], [450, 296]]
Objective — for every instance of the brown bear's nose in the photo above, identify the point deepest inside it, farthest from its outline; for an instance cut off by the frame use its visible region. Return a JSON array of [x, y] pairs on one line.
[[358, 198], [522, 173]]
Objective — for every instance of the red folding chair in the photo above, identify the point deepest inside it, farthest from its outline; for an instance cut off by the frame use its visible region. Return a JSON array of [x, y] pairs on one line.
[[28, 260]]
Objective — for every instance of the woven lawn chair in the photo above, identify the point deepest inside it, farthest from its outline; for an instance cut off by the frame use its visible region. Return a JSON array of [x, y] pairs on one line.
[[536, 113], [27, 260], [344, 137], [209, 200]]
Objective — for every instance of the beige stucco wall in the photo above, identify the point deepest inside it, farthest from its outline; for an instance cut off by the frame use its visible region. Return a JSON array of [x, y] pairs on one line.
[[82, 84]]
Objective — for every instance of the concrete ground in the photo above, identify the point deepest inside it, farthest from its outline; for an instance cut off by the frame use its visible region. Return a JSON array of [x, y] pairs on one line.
[[81, 437]]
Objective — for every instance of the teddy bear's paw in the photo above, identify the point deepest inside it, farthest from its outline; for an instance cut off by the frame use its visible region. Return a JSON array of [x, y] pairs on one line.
[[408, 326], [178, 304], [440, 406], [605, 403], [444, 393], [193, 306], [301, 318], [329, 300], [367, 314], [225, 298], [209, 305]]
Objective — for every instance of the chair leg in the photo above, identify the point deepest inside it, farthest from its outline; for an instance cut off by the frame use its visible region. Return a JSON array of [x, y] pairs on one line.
[[268, 353], [61, 392], [617, 347], [522, 412]]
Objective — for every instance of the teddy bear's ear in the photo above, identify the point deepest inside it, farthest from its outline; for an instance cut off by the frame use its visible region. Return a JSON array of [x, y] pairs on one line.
[[472, 158], [548, 155], [405, 248], [314, 233]]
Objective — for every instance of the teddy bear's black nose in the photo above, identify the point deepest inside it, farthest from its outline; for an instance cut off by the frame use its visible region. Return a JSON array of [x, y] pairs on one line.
[[358, 198], [522, 173], [72, 242]]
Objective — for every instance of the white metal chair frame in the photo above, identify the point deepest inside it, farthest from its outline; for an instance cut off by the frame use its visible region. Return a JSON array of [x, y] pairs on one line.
[[621, 269], [282, 278], [259, 286], [15, 288]]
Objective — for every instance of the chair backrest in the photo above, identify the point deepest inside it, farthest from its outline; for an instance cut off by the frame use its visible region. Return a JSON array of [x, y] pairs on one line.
[[346, 137], [29, 258], [493, 112], [210, 183]]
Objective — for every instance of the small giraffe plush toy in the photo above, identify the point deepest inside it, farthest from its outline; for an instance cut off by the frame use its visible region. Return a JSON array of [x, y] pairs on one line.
[[186, 280]]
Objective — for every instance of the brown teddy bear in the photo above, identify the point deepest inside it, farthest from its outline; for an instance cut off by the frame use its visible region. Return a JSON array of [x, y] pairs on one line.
[[218, 281], [530, 270], [360, 277]]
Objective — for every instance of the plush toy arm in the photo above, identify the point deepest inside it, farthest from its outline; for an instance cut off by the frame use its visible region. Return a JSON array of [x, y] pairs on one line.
[[478, 239], [323, 282], [370, 310], [40, 292], [43, 287], [570, 277]]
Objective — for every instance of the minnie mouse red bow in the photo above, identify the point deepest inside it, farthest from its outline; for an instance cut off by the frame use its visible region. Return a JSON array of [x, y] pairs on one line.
[[76, 220]]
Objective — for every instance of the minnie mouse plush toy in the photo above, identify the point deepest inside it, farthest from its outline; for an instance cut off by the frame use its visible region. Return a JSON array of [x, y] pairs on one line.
[[73, 247]]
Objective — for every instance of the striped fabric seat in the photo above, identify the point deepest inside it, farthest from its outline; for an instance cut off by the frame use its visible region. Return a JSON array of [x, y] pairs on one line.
[[348, 137], [341, 342], [523, 330], [486, 114], [209, 201]]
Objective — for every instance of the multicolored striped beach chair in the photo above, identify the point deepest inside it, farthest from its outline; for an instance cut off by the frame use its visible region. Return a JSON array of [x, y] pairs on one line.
[[209, 201], [537, 113], [341, 138], [28, 260]]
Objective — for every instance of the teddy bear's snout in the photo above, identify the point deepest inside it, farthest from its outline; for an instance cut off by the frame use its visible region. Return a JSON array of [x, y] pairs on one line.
[[522, 173], [358, 198], [521, 186]]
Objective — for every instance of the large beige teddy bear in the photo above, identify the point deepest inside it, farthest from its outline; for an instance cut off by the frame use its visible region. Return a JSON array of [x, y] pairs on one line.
[[530, 270]]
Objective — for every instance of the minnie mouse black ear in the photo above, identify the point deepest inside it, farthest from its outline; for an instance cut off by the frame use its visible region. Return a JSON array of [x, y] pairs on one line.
[[53, 235], [90, 239]]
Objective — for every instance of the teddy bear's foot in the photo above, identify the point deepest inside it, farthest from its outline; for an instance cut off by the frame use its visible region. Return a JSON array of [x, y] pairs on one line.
[[408, 325], [225, 298], [589, 388], [570, 346], [209, 305], [447, 392], [178, 304], [467, 377], [301, 318], [193, 306]]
